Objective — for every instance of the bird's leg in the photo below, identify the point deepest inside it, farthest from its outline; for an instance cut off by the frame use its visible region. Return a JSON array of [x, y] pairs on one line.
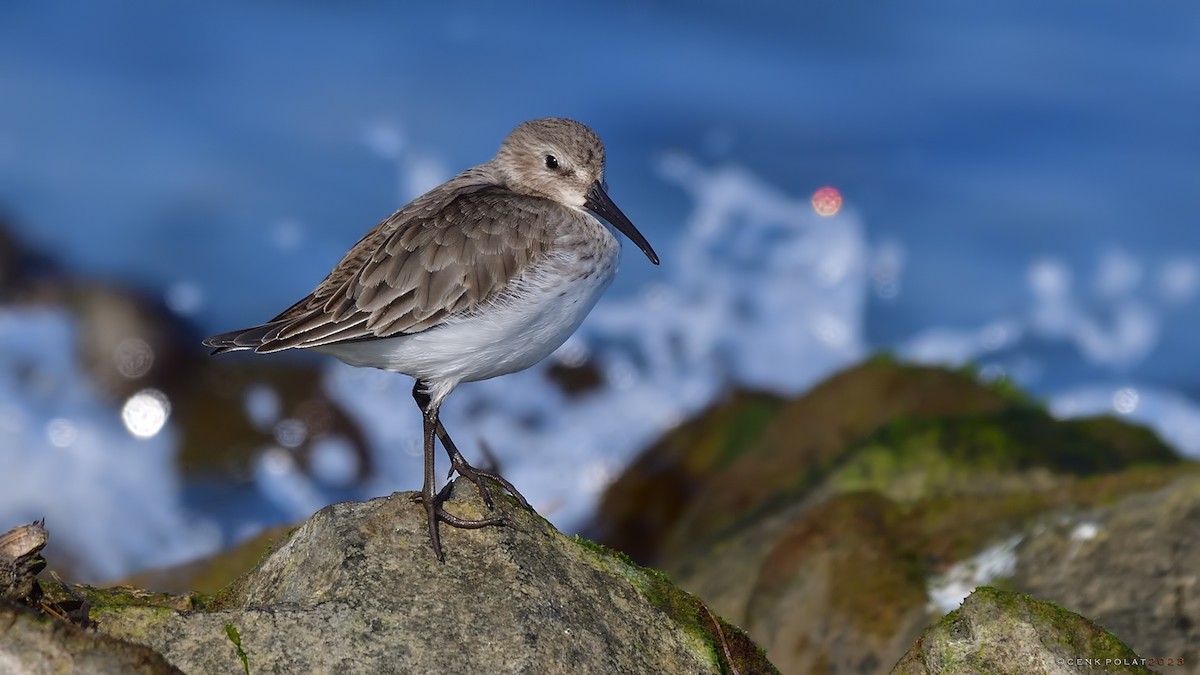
[[429, 497], [477, 476]]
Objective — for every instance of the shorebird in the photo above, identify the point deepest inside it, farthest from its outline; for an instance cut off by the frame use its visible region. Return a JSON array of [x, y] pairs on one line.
[[482, 276]]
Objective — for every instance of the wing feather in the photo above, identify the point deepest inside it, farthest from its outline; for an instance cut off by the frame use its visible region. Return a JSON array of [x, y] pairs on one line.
[[448, 252]]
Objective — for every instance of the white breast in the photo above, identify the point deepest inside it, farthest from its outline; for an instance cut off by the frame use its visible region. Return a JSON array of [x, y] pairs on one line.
[[525, 325]]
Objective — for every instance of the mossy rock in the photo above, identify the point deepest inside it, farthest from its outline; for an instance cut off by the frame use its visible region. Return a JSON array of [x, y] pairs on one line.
[[753, 449], [894, 499], [852, 568], [356, 589], [1129, 565], [841, 590], [1009, 633], [1005, 451], [33, 643], [659, 485], [910, 432], [735, 651]]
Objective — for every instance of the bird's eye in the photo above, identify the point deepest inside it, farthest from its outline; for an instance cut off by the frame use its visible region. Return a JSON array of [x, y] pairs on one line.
[[551, 162]]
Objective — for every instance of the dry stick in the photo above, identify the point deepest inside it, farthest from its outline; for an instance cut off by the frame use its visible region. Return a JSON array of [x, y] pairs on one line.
[[724, 644], [53, 611], [84, 606]]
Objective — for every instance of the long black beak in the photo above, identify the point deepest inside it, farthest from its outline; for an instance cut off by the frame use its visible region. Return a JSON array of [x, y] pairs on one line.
[[598, 202]]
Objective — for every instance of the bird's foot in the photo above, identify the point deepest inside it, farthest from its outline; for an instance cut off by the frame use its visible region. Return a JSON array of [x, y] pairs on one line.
[[435, 512], [480, 478]]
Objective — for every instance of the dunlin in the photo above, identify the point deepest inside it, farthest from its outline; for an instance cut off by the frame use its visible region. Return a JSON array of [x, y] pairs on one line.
[[484, 275]]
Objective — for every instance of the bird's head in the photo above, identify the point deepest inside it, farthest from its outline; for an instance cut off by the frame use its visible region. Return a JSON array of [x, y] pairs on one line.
[[563, 160]]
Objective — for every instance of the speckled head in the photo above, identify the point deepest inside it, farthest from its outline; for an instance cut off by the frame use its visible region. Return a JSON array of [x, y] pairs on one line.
[[554, 158], [562, 160]]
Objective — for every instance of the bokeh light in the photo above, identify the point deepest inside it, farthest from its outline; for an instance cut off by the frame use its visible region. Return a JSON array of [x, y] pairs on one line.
[[291, 433], [1125, 400], [334, 461], [133, 357], [1178, 280], [184, 297], [827, 201], [263, 406], [145, 413], [277, 461], [61, 432]]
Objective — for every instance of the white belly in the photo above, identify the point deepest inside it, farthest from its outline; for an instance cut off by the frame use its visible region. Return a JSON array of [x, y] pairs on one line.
[[520, 329]]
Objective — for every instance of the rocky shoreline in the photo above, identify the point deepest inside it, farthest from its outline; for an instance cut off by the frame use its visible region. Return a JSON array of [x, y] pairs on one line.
[[828, 534]]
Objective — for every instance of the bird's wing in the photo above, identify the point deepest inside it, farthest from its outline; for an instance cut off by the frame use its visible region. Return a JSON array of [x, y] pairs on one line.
[[437, 257]]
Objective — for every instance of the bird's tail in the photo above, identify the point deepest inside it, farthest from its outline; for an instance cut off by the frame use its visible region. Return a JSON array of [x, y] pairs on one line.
[[238, 340]]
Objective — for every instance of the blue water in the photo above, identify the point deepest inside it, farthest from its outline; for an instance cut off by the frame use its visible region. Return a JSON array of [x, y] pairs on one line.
[[1022, 182]]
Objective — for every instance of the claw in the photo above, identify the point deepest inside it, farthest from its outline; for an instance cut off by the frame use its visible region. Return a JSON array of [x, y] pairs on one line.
[[435, 512], [433, 429], [480, 478], [469, 524]]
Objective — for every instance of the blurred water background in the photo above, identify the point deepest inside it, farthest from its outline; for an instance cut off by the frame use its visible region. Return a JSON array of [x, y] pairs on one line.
[[1021, 187]]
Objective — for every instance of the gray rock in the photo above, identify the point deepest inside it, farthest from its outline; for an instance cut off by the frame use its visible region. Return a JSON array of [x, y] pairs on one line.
[[35, 644], [1131, 566], [356, 589], [825, 526], [1004, 633]]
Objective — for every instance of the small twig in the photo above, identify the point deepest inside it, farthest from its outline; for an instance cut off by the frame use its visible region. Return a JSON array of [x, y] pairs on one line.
[[84, 606], [53, 611], [724, 643], [66, 587]]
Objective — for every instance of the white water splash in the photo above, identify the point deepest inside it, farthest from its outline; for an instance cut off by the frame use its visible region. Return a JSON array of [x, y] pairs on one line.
[[110, 499], [947, 591]]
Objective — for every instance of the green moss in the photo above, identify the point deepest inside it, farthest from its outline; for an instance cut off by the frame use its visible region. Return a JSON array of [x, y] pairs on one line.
[[725, 431], [1016, 438], [203, 602], [1004, 386], [1081, 635], [655, 490], [949, 528], [728, 645], [604, 552], [236, 639], [882, 359], [745, 428], [116, 596], [977, 637], [913, 457], [707, 476]]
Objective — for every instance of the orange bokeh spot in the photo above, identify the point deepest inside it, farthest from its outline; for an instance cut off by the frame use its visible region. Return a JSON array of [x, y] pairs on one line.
[[827, 201]]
